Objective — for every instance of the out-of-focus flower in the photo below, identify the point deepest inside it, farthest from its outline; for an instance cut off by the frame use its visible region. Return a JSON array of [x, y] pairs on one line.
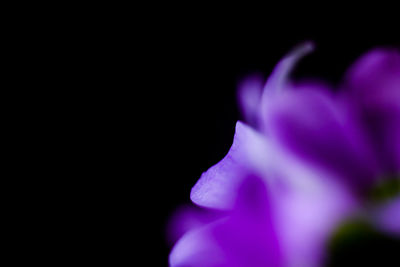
[[310, 159]]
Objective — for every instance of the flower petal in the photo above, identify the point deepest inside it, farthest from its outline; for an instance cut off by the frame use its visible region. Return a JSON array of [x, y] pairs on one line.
[[388, 217], [188, 218], [197, 248], [252, 91], [307, 218], [373, 87], [246, 237], [314, 127], [249, 98], [217, 187], [374, 80], [279, 77]]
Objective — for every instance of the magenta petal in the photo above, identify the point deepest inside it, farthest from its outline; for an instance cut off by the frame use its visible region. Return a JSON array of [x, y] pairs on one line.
[[249, 236], [373, 87], [197, 248], [396, 142], [252, 91], [279, 77], [245, 238], [307, 217], [374, 80], [249, 98], [188, 218], [217, 187], [312, 125], [388, 217]]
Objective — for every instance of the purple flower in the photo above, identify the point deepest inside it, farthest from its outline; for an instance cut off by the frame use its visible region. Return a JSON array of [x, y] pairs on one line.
[[307, 162]]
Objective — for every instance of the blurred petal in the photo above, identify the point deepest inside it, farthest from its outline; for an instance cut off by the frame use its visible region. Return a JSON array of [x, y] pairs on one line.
[[252, 91], [197, 248], [312, 126], [396, 142], [217, 187], [188, 218], [375, 80], [246, 238], [249, 236], [280, 75], [388, 217], [249, 98], [373, 86], [306, 219]]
